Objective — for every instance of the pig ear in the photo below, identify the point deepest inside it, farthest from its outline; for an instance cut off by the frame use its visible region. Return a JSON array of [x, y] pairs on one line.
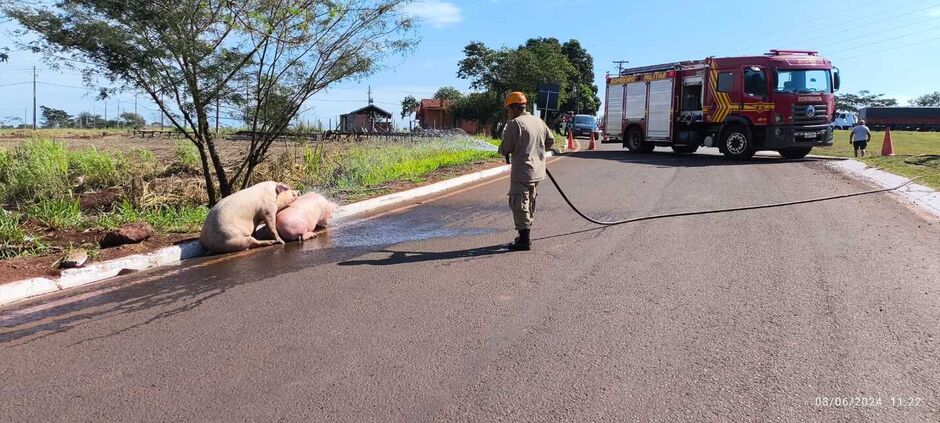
[[279, 188]]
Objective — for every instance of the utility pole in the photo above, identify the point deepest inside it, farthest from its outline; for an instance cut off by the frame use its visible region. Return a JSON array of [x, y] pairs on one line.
[[106, 114], [135, 104], [370, 95], [620, 64], [34, 98]]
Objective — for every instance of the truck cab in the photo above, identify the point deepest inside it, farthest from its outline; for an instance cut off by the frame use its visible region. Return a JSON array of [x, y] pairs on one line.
[[782, 101]]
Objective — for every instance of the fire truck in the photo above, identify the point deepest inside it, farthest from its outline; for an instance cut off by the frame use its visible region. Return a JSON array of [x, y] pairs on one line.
[[781, 101]]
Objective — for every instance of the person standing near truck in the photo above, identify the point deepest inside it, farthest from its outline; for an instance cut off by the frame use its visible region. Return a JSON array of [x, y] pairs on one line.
[[525, 140], [859, 137]]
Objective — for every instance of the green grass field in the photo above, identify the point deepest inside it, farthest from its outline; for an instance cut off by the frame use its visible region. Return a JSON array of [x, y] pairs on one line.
[[907, 145]]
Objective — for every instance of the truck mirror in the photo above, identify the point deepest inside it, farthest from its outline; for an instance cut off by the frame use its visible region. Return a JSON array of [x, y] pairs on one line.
[[835, 79]]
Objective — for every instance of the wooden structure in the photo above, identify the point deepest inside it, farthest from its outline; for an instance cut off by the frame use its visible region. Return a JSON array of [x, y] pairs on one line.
[[435, 114], [369, 119]]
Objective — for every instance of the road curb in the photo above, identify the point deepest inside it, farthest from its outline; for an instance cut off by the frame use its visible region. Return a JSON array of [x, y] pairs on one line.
[[924, 197], [97, 272]]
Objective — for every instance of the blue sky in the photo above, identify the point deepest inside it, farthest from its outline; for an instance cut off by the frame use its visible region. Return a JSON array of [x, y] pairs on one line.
[[885, 47]]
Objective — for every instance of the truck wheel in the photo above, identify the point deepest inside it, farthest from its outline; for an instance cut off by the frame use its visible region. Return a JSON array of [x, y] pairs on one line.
[[633, 140], [736, 143], [795, 153], [684, 149]]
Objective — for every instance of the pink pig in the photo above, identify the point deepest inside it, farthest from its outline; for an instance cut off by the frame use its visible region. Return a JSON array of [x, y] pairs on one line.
[[299, 220]]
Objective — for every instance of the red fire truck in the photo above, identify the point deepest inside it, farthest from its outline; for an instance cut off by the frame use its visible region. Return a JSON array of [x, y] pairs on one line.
[[780, 101]]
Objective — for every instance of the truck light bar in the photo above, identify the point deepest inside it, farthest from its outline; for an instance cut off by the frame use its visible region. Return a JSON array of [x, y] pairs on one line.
[[775, 52]]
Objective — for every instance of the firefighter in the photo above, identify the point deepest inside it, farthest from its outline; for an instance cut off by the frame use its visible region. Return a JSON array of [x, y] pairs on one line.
[[525, 140]]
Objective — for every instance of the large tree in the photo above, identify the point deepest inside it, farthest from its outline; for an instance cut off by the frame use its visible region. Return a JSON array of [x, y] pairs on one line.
[[194, 56], [54, 118], [864, 98], [927, 100], [539, 60], [448, 93]]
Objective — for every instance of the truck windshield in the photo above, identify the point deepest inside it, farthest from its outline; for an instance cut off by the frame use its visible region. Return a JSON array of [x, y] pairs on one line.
[[803, 81]]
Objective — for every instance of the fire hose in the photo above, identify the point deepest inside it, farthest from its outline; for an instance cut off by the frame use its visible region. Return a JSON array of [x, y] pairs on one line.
[[713, 211]]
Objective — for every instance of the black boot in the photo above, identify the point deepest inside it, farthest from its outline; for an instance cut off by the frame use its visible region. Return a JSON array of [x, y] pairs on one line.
[[523, 243]]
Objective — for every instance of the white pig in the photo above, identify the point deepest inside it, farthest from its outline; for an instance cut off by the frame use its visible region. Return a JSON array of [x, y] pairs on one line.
[[301, 218], [231, 223]]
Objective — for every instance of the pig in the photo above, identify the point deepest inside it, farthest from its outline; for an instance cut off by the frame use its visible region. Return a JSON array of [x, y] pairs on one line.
[[231, 223], [299, 221]]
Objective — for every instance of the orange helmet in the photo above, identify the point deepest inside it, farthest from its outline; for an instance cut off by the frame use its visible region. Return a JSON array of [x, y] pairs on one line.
[[515, 97]]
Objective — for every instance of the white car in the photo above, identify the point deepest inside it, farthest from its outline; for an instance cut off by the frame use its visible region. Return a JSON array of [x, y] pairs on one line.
[[845, 120]]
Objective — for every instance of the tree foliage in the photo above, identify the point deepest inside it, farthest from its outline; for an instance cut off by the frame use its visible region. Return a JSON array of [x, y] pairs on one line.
[[191, 56], [539, 60], [927, 100], [132, 120], [54, 118], [448, 93], [864, 98], [409, 105]]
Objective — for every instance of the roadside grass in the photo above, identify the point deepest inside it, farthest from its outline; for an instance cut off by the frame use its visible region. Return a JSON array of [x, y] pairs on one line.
[[167, 219], [56, 213], [61, 132], [907, 145], [14, 241], [44, 184], [369, 168]]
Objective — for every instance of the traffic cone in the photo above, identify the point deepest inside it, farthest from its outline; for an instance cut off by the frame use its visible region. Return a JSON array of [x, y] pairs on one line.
[[571, 140], [887, 149], [591, 145]]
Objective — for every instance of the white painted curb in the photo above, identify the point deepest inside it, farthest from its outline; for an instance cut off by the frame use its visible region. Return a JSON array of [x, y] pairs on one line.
[[923, 196], [20, 290]]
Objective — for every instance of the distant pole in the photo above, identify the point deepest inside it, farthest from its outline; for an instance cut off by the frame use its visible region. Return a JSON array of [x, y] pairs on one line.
[[120, 125], [135, 104], [216, 115], [161, 110], [619, 64], [34, 98], [106, 114]]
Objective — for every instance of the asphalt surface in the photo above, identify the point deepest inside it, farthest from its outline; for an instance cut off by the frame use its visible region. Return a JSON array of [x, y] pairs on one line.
[[420, 315]]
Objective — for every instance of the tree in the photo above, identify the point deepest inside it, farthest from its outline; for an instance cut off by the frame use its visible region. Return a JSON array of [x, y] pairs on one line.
[[448, 93], [88, 120], [864, 98], [132, 120], [927, 100], [54, 118], [585, 99], [409, 105], [539, 60], [190, 56]]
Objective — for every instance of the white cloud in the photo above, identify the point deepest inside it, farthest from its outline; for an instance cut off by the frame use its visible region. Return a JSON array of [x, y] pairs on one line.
[[436, 13], [935, 12]]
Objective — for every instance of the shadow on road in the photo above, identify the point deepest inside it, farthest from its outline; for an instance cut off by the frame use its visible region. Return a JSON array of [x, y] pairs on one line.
[[405, 257], [666, 160]]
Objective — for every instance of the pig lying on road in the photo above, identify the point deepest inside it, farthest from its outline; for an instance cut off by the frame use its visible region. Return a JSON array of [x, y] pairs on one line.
[[231, 224], [299, 220]]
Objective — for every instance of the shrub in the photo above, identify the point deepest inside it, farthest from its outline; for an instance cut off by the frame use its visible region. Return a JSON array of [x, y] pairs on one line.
[[170, 219], [38, 168], [98, 169], [186, 157], [56, 213]]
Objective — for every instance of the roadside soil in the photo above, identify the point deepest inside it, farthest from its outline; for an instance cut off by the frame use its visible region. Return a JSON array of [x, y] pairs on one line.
[[25, 267]]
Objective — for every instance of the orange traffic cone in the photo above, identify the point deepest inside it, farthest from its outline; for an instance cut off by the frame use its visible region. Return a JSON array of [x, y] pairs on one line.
[[887, 149], [591, 145], [571, 140]]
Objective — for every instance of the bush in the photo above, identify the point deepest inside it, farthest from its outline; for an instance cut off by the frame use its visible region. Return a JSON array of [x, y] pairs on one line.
[[97, 169], [170, 219], [38, 168], [56, 214], [186, 157]]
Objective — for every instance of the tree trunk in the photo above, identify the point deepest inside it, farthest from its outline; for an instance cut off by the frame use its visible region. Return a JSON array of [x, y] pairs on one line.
[[207, 175]]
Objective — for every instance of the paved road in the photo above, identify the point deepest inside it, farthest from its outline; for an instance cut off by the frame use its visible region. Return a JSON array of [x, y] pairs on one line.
[[418, 315]]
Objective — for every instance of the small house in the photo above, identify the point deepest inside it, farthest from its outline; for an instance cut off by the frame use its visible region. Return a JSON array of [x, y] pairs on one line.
[[435, 114], [369, 119]]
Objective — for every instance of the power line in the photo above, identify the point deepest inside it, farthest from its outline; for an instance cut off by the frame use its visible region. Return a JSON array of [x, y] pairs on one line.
[[880, 51]]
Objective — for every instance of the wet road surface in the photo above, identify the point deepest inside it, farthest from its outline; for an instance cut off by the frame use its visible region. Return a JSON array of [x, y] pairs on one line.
[[421, 315]]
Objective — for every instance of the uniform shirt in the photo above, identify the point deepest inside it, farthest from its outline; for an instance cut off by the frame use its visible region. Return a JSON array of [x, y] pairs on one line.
[[860, 133], [526, 138]]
